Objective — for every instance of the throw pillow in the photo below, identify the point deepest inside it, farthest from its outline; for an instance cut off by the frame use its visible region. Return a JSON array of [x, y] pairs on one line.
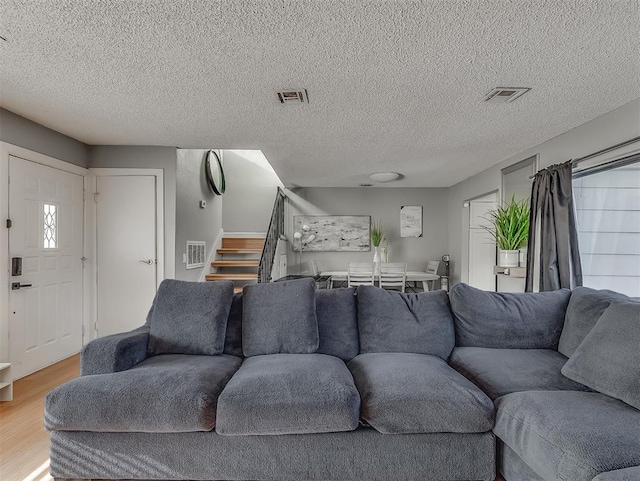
[[508, 320], [585, 308], [280, 318], [391, 321], [190, 317], [608, 360], [337, 312]]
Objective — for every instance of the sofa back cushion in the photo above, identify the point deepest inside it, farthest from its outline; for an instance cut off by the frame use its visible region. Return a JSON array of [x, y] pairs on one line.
[[608, 360], [337, 313], [189, 317], [391, 321], [508, 320], [585, 308], [280, 318]]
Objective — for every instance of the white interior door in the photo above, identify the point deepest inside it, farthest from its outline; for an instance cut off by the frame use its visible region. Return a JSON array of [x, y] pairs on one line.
[[45, 301], [482, 247], [126, 251]]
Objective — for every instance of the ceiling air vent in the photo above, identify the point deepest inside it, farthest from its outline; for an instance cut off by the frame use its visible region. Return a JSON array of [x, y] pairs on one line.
[[293, 96], [503, 95]]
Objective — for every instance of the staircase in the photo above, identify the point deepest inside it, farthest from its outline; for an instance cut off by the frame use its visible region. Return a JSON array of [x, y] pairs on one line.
[[237, 260]]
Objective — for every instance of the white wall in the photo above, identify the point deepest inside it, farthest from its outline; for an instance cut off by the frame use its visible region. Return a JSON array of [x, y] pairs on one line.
[[147, 157], [382, 204], [192, 222], [614, 127], [251, 191]]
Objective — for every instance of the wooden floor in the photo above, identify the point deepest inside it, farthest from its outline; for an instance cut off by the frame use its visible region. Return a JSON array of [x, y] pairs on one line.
[[24, 444]]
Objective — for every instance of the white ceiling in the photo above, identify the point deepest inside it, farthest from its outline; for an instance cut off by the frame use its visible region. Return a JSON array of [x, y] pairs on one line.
[[393, 85]]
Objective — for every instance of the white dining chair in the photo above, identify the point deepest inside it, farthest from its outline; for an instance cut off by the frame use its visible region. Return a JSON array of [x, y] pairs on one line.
[[360, 274], [393, 275], [432, 268]]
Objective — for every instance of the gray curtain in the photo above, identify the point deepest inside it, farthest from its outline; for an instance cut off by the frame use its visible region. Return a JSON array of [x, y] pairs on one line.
[[552, 207]]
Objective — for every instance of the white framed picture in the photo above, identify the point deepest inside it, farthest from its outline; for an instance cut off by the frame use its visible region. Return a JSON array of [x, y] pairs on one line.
[[411, 221]]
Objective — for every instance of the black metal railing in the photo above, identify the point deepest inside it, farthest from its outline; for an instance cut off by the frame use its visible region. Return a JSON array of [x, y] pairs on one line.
[[275, 231]]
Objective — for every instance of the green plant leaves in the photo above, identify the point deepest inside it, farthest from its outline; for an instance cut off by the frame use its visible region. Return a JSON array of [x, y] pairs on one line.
[[376, 233], [510, 224]]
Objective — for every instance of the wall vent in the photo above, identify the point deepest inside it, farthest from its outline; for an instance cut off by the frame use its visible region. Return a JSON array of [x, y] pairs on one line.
[[366, 185], [196, 254], [503, 95], [293, 96]]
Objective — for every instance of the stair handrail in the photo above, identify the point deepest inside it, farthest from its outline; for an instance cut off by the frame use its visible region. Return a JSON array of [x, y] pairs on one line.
[[275, 230]]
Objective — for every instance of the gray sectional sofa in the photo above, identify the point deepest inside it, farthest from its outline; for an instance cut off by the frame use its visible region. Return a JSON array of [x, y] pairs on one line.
[[286, 382]]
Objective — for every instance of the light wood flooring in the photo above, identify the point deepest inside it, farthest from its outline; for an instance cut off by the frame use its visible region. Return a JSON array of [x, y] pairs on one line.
[[24, 444]]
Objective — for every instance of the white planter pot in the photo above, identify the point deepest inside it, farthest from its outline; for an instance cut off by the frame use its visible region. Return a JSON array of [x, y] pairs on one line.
[[507, 258]]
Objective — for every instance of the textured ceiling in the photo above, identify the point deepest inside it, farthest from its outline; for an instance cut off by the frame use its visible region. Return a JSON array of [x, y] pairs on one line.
[[393, 85]]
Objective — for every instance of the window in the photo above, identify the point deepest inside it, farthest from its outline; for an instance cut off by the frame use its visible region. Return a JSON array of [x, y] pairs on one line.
[[50, 226], [607, 199]]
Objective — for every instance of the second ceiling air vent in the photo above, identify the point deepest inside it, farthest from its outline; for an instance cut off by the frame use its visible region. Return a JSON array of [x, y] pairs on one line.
[[502, 95], [293, 96]]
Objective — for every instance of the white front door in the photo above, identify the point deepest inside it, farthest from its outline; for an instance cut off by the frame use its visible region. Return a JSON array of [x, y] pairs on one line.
[[46, 237], [126, 250]]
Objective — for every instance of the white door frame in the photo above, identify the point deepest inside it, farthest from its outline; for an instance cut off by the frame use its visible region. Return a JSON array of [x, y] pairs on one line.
[[6, 150], [91, 190]]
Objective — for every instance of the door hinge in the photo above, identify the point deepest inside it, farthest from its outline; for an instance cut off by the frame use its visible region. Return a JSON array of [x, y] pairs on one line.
[[95, 197], [9, 223]]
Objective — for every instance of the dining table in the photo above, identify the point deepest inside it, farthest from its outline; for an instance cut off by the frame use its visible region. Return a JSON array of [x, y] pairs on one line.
[[412, 276]]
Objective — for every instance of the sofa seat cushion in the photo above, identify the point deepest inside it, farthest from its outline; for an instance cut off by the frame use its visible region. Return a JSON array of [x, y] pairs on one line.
[[163, 394], [418, 393], [569, 435], [502, 371], [289, 394]]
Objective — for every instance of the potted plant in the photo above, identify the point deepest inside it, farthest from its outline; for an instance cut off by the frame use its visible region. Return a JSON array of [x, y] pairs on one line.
[[377, 235], [510, 230]]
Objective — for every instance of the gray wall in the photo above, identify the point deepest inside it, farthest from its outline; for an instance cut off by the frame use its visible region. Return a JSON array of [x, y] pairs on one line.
[[146, 157], [381, 204], [614, 127], [192, 222], [251, 191], [19, 131]]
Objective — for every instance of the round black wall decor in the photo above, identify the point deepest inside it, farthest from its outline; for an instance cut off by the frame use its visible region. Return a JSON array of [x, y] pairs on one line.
[[214, 172]]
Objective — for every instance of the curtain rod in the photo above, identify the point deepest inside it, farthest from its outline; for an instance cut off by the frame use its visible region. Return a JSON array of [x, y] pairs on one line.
[[603, 151]]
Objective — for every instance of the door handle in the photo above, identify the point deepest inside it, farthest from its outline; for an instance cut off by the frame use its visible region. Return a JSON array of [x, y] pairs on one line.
[[16, 286], [147, 261]]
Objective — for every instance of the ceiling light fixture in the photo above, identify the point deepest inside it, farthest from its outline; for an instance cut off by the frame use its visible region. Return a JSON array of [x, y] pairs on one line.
[[383, 177]]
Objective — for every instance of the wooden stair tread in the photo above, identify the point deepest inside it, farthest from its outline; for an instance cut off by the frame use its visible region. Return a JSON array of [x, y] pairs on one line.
[[233, 277], [243, 243], [236, 263], [230, 250]]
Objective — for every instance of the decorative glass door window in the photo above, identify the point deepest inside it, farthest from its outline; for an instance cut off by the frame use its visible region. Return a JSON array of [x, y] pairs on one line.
[[50, 226]]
